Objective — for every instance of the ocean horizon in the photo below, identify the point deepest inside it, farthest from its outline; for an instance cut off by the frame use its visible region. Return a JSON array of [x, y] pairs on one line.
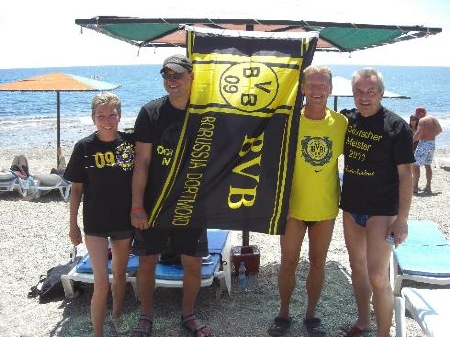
[[28, 119]]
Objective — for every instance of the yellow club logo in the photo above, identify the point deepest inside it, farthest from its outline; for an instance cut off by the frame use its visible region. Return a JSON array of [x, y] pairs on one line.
[[249, 86]]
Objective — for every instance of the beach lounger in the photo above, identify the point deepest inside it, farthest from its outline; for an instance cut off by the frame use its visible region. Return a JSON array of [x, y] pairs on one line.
[[423, 257], [82, 272], [217, 265], [9, 182], [443, 163], [428, 307], [44, 183]]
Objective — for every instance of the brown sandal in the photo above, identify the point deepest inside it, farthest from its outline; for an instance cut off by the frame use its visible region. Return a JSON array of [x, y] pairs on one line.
[[280, 326], [351, 330], [197, 330], [139, 331]]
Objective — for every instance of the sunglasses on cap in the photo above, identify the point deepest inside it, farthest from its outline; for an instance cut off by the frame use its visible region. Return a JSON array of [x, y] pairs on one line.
[[172, 76]]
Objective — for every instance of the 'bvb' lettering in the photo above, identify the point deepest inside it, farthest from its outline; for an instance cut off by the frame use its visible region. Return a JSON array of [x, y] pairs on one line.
[[249, 86], [251, 150]]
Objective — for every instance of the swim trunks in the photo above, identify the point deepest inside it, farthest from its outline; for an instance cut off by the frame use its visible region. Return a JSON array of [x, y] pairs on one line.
[[309, 223], [360, 219], [424, 152]]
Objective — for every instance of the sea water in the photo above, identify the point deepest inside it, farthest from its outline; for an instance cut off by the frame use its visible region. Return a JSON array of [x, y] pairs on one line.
[[28, 119]]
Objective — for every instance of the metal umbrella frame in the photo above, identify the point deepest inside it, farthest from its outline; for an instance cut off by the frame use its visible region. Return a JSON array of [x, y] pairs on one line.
[[342, 87]]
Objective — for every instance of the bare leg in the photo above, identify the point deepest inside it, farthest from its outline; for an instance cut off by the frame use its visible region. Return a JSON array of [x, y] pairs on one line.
[[120, 254], [378, 255], [191, 282], [191, 286], [355, 240], [429, 175], [291, 244], [416, 177], [146, 287], [98, 252], [319, 241]]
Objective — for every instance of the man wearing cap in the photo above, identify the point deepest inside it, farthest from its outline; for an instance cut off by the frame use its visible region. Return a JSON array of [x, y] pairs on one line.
[[427, 130], [157, 130]]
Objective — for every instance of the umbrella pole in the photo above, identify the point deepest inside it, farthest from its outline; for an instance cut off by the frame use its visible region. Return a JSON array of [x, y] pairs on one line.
[[246, 234], [58, 136]]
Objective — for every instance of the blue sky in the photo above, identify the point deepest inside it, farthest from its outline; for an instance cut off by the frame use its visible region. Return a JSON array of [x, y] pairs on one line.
[[45, 34]]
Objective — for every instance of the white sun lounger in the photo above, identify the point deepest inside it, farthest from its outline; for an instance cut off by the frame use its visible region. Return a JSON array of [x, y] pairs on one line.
[[428, 307], [9, 182], [216, 266], [423, 257], [49, 182]]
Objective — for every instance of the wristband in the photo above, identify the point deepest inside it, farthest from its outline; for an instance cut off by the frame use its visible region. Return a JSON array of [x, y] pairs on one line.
[[137, 209]]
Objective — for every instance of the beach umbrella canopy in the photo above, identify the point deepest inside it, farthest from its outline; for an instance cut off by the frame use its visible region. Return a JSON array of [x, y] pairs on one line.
[[333, 36], [58, 82], [342, 87]]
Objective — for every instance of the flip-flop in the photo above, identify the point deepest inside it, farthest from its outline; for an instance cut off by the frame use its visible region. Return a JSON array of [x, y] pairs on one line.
[[351, 330], [280, 326], [314, 326]]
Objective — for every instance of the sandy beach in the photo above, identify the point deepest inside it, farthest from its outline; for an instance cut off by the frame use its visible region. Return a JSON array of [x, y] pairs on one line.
[[35, 238]]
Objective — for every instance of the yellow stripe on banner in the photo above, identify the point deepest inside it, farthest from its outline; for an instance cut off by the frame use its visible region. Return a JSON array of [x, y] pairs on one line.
[[170, 179], [242, 85], [282, 177], [281, 181], [228, 111], [176, 159]]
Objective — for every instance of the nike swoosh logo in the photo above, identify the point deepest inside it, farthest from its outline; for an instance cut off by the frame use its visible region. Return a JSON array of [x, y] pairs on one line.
[[317, 171]]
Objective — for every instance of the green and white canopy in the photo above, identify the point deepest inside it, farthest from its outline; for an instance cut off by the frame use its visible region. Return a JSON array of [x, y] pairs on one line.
[[334, 36]]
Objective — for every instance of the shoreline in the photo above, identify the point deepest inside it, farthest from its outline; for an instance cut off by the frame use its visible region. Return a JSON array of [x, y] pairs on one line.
[[35, 239]]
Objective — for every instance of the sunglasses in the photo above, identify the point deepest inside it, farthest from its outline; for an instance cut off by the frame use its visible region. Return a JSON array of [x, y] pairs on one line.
[[172, 76]]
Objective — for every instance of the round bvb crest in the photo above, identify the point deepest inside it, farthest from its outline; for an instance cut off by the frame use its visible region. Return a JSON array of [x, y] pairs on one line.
[[125, 156], [316, 150], [249, 86]]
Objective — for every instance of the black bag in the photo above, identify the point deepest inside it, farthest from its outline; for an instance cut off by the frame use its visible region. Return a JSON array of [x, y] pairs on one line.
[[49, 287]]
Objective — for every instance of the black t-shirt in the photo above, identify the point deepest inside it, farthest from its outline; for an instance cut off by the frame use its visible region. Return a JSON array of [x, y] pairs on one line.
[[374, 146], [158, 123], [105, 169]]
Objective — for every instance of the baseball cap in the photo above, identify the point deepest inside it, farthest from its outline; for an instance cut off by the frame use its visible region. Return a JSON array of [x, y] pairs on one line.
[[178, 63]]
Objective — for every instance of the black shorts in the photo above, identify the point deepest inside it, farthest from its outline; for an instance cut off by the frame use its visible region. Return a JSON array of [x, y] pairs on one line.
[[187, 241]]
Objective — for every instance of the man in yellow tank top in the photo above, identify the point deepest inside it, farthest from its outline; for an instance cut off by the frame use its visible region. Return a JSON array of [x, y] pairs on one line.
[[314, 200]]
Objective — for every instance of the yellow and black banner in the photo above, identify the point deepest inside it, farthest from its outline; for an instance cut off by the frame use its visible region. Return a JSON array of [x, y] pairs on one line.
[[233, 165]]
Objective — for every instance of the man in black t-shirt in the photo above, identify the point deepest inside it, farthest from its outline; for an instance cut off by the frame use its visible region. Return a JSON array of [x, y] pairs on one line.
[[376, 197], [157, 130]]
